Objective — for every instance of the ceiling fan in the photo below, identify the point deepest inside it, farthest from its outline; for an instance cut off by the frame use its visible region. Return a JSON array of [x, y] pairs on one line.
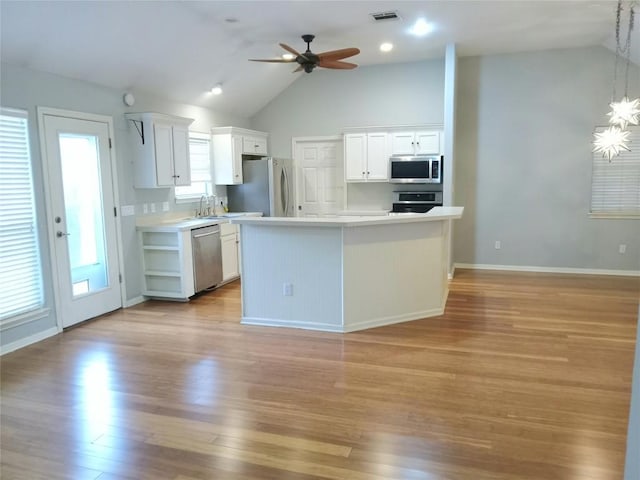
[[308, 60]]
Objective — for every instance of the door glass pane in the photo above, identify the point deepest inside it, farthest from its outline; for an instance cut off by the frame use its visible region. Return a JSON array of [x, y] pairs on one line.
[[80, 159]]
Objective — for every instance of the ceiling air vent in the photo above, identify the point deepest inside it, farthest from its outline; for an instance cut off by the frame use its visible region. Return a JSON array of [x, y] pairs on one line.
[[389, 15]]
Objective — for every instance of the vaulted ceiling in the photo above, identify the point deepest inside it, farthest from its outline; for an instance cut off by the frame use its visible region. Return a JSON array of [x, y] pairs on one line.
[[180, 49]]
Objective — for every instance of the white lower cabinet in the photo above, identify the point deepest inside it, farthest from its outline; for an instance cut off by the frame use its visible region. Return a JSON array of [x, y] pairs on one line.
[[230, 240], [167, 265]]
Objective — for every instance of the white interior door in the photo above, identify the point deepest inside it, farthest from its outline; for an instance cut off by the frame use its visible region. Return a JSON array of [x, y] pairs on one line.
[[82, 214], [320, 178]]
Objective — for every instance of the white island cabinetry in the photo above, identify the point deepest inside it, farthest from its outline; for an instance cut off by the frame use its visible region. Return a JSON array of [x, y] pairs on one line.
[[342, 274], [161, 149]]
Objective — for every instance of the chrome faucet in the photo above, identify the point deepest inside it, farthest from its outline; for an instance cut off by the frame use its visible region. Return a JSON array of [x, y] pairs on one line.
[[200, 212]]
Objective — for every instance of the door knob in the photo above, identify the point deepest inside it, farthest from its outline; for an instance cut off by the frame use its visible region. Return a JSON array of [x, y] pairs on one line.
[[60, 234]]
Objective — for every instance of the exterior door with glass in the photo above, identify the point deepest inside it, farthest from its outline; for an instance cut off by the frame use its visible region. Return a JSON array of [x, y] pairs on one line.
[[82, 212]]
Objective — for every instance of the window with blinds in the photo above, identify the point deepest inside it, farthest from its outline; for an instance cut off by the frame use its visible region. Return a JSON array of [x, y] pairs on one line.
[[615, 185], [20, 269], [200, 159]]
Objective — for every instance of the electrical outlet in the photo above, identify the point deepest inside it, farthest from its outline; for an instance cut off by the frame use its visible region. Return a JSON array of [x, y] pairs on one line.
[[622, 248], [153, 207], [145, 208], [498, 245], [287, 289], [165, 206]]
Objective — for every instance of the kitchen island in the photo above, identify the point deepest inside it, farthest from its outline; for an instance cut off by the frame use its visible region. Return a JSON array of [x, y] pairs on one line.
[[342, 274]]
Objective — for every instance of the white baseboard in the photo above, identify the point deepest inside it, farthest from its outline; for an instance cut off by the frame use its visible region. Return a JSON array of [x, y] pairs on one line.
[[354, 327], [23, 342], [526, 268], [271, 322], [384, 321], [134, 301], [451, 274]]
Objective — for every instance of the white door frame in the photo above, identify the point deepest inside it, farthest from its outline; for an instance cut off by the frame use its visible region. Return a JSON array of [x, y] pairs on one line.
[[294, 144], [42, 111]]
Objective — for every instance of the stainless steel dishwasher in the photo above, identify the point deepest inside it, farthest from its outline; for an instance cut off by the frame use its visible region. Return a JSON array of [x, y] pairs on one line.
[[207, 257]]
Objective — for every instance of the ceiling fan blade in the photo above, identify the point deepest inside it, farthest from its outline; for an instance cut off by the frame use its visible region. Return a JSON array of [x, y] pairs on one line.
[[339, 54], [299, 69], [289, 49], [275, 60], [336, 64]]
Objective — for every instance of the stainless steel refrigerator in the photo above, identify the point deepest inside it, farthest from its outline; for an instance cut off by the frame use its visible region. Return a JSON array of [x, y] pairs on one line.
[[268, 187]]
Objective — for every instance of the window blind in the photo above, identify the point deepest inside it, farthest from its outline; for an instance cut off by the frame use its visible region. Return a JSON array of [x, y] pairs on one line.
[[200, 159], [20, 269], [615, 185]]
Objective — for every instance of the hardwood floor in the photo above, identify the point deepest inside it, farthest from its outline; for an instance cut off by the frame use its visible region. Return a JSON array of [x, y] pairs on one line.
[[526, 376]]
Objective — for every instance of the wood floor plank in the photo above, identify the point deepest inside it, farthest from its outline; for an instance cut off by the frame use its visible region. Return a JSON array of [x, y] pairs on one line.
[[524, 376]]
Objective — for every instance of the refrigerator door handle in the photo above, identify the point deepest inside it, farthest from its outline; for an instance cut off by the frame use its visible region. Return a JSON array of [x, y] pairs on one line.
[[287, 199], [283, 198]]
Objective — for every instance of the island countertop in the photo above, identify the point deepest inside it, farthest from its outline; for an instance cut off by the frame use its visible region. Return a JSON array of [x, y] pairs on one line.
[[435, 214]]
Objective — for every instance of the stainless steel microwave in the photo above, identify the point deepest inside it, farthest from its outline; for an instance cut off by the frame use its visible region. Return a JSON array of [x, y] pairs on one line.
[[415, 169]]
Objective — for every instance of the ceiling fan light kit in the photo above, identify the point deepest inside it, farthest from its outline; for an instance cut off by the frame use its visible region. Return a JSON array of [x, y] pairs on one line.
[[308, 60]]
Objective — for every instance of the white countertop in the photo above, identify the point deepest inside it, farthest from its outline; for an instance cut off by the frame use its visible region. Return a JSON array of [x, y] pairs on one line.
[[435, 214], [187, 223]]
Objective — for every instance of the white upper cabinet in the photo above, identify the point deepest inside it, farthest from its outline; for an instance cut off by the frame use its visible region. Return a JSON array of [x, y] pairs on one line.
[[421, 142], [366, 157], [227, 159], [254, 145], [229, 144], [161, 149], [377, 156]]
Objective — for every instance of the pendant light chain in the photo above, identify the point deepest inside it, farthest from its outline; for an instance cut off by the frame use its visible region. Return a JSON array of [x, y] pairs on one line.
[[627, 47]]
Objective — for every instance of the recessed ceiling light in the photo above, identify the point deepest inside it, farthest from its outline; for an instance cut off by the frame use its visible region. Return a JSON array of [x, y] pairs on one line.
[[288, 56], [217, 90], [421, 28], [386, 47]]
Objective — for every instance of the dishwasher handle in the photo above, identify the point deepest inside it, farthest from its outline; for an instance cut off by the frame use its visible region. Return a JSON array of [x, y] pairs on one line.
[[211, 232]]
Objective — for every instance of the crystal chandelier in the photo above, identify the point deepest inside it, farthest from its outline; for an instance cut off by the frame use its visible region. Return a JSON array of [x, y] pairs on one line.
[[626, 112]]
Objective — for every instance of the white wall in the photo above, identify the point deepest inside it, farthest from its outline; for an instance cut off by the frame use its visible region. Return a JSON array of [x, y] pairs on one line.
[[523, 163], [26, 89]]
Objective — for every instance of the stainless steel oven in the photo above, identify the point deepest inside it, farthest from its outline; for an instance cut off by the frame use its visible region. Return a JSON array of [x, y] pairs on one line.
[[415, 202], [415, 169]]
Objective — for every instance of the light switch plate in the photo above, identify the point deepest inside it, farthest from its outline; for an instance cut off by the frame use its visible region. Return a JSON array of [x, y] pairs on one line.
[[127, 210]]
